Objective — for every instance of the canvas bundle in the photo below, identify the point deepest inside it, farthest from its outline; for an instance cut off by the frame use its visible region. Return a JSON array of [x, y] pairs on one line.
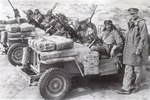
[[61, 42], [43, 45], [25, 27], [2, 26], [49, 43], [2, 22], [21, 34], [21, 20], [58, 54], [11, 21], [39, 32], [14, 35], [28, 34], [13, 28]]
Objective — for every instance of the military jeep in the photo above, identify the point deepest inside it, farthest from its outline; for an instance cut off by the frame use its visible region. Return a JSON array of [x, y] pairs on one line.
[[13, 39], [55, 69]]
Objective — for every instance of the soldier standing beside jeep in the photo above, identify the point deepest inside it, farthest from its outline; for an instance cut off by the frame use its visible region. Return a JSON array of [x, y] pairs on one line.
[[135, 52]]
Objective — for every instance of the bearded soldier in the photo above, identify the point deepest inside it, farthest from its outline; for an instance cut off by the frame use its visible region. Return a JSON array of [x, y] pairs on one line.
[[111, 40]]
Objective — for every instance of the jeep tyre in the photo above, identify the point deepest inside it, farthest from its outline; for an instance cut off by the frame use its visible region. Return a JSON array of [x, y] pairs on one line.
[[54, 84], [15, 53]]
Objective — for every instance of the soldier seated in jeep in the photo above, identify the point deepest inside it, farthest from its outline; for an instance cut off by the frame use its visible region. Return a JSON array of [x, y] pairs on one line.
[[31, 19], [84, 32], [38, 17], [46, 22], [112, 43]]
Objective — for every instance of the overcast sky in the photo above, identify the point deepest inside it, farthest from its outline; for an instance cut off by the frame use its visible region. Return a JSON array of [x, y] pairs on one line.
[[5, 8]]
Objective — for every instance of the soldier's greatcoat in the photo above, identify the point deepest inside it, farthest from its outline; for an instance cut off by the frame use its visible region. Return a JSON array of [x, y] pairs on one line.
[[136, 40]]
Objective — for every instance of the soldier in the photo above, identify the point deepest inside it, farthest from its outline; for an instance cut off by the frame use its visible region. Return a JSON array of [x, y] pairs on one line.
[[69, 31], [29, 14], [38, 17], [84, 33], [91, 25], [48, 17], [110, 39], [30, 18], [51, 29], [75, 24], [135, 52], [60, 31], [46, 22]]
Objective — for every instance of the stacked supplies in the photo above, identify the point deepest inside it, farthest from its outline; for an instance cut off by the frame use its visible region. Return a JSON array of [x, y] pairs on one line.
[[50, 43], [22, 30]]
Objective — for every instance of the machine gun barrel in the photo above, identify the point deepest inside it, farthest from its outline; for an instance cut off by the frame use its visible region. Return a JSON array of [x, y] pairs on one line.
[[54, 7], [11, 4], [93, 13], [15, 10]]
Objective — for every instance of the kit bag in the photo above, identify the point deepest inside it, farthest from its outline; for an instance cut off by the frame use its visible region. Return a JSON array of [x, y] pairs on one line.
[[11, 21], [14, 28], [25, 27], [61, 42]]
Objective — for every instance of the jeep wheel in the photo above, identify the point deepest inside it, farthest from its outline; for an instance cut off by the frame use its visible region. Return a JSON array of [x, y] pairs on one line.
[[15, 53], [54, 84]]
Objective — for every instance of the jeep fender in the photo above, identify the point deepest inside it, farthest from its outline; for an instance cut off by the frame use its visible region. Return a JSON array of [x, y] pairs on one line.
[[70, 64]]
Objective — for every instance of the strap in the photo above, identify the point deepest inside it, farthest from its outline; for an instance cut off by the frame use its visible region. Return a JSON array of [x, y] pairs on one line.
[[138, 20]]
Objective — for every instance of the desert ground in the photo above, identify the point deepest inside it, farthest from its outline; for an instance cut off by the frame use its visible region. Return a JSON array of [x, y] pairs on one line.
[[14, 85]]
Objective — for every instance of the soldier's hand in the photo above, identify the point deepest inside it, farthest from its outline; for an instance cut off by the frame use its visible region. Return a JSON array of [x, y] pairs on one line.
[[112, 52]]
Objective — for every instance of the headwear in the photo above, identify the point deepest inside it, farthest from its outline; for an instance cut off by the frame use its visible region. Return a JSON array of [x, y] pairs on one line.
[[37, 10], [29, 12], [106, 22], [109, 22], [133, 10], [83, 22]]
